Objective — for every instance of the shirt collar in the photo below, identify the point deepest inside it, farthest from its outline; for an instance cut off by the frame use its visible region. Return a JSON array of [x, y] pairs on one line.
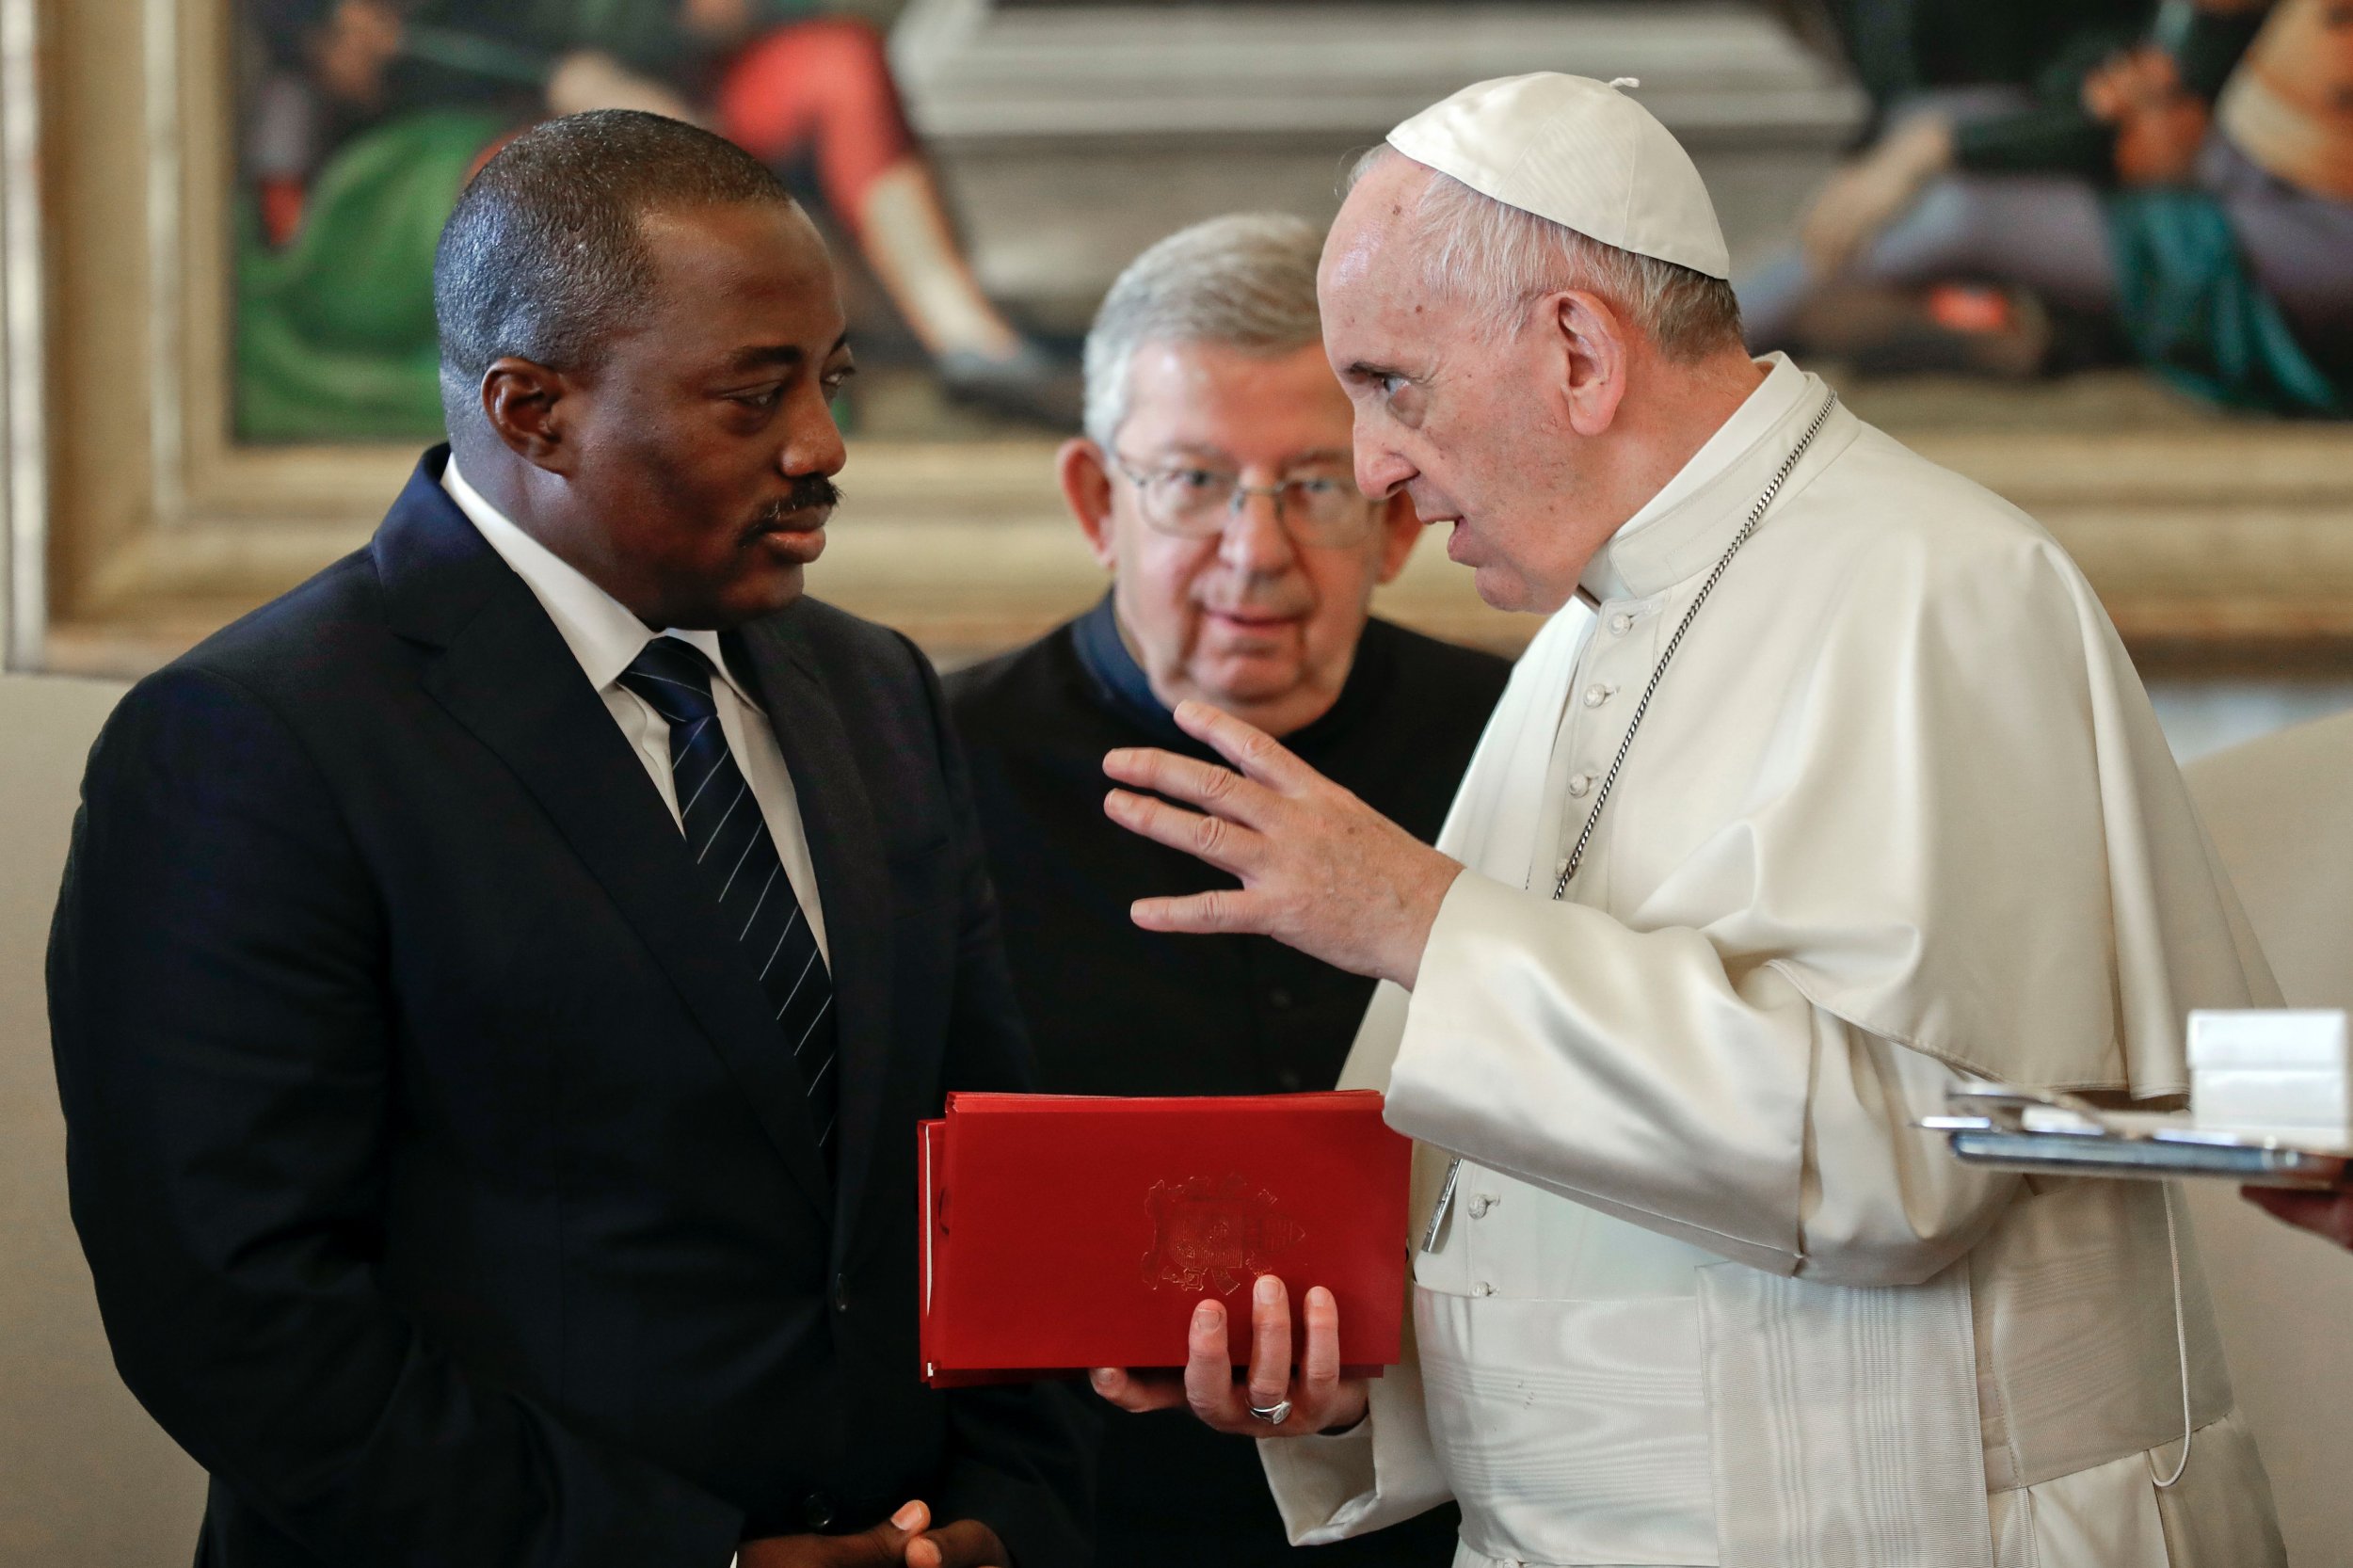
[[1121, 685], [601, 632], [1767, 407], [1119, 682]]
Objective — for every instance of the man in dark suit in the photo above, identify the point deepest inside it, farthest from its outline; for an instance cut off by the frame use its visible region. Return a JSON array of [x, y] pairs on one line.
[[495, 984]]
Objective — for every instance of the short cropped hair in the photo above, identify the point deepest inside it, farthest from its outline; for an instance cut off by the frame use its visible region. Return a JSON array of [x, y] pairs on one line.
[[545, 257], [1499, 258], [1246, 281]]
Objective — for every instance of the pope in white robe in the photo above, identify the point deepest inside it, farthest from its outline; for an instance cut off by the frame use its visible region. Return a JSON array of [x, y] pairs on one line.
[[1897, 812]]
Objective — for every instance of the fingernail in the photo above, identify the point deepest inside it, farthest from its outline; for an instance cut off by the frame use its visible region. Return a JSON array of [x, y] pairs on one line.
[[908, 1516], [1205, 1316], [1101, 1377], [1267, 1290]]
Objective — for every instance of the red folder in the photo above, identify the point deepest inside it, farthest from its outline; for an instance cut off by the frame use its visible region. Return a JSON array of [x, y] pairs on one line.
[[1063, 1232]]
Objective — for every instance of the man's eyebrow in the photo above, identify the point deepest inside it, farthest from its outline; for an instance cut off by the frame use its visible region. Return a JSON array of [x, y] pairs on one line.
[[1194, 449], [761, 355], [783, 356]]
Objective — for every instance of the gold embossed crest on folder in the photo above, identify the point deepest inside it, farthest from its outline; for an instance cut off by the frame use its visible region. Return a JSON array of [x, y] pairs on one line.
[[1206, 1232]]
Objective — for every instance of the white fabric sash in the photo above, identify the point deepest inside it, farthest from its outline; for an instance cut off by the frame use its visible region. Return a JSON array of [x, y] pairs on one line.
[[1845, 1422], [1571, 1431]]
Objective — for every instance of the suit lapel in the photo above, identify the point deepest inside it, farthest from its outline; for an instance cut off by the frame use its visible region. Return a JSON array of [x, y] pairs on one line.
[[846, 846], [504, 673]]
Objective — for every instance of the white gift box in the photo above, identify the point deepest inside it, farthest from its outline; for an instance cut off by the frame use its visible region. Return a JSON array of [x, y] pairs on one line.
[[2302, 1038], [2265, 1097]]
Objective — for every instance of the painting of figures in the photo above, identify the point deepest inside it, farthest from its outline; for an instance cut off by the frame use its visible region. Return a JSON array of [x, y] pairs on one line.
[[359, 120], [2102, 266]]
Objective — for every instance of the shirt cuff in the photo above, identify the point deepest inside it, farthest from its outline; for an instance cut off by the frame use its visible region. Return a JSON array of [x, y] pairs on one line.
[[1322, 1483]]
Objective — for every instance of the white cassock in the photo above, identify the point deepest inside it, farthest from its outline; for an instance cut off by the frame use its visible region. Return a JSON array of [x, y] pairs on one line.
[[1899, 810]]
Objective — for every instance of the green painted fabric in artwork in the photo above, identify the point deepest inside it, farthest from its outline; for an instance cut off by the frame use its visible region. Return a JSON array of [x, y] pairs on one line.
[[2199, 318], [335, 337]]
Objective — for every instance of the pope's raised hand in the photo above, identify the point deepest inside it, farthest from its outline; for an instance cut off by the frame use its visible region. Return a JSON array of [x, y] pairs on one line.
[[1320, 870], [1319, 1398]]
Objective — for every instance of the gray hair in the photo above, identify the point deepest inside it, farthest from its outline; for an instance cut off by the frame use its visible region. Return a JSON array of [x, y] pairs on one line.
[[1246, 281], [1499, 258]]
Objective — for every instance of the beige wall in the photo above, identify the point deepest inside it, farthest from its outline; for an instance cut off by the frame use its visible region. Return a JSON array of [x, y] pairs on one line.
[[2281, 810], [85, 1479]]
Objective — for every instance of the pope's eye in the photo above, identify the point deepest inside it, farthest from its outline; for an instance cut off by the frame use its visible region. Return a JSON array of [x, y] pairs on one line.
[[1194, 478]]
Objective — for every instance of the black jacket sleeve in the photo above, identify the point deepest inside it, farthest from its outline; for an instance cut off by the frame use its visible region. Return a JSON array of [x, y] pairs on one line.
[[1021, 1458], [224, 1026]]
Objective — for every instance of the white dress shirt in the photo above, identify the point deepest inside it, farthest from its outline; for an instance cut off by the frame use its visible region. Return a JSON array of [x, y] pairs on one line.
[[604, 636]]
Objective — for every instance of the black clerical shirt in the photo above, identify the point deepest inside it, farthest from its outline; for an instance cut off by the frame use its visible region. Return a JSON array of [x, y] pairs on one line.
[[1113, 1010]]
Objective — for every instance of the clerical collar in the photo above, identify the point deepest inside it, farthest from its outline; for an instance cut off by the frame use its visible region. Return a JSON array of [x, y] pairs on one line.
[[1773, 400], [1121, 685], [1118, 680]]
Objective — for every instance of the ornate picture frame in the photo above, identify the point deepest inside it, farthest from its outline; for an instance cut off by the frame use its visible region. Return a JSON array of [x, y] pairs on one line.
[[136, 524]]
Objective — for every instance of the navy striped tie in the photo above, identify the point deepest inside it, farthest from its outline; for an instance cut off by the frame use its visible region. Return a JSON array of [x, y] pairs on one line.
[[739, 864]]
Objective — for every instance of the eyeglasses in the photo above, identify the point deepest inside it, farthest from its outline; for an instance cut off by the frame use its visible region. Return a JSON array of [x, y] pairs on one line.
[[1194, 503]]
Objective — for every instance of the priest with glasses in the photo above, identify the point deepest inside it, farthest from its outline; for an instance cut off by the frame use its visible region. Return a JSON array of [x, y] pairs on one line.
[[1216, 485]]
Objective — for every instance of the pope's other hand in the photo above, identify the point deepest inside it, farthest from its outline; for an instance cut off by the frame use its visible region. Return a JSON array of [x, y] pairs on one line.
[[1320, 1399], [1320, 870], [2329, 1214]]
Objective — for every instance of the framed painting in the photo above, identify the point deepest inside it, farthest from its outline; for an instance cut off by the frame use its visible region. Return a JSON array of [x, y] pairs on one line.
[[217, 220]]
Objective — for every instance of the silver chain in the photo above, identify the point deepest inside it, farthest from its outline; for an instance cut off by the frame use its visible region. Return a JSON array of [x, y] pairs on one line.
[[1577, 855], [1757, 514]]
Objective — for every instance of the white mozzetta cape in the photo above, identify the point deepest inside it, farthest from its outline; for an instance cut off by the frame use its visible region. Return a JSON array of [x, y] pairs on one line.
[[1899, 808]]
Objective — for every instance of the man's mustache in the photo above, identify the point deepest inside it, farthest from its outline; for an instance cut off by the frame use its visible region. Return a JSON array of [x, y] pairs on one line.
[[809, 493]]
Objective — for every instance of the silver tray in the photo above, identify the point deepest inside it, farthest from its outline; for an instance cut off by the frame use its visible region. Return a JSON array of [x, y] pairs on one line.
[[2060, 1135]]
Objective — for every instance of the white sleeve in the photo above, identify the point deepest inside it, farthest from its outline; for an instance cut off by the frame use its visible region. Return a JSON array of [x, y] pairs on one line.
[[1641, 1074], [1379, 1472]]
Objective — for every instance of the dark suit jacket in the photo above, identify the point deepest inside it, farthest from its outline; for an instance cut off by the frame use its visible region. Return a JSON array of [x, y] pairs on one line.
[[1152, 1014], [450, 1194]]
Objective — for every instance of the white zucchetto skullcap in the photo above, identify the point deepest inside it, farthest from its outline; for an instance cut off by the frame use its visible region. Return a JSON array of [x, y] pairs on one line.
[[1579, 153]]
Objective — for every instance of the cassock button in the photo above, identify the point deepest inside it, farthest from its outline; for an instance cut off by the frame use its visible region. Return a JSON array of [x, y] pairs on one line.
[[1620, 624], [1598, 693], [1279, 997], [816, 1510], [1578, 785], [1289, 1078], [842, 1293], [1480, 1203], [1482, 1288]]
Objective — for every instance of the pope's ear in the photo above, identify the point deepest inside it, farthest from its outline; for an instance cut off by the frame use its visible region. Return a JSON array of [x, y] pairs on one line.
[[525, 406], [1086, 490], [1401, 530], [1594, 344]]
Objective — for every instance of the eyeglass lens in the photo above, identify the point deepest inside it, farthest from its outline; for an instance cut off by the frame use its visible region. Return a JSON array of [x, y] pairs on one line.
[[1323, 508]]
